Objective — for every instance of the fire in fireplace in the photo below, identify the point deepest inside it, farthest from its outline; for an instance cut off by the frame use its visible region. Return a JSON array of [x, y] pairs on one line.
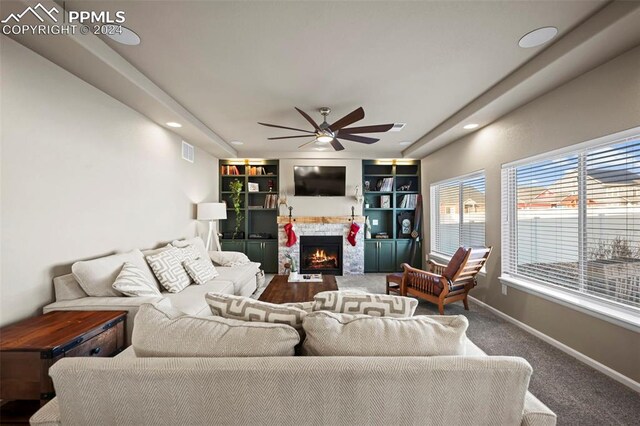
[[321, 254]]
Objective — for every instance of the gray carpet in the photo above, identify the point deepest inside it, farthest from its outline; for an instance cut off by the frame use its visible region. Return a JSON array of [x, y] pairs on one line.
[[577, 393]]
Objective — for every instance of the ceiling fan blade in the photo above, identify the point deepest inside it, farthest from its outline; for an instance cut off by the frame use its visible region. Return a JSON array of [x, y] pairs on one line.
[[288, 137], [283, 127], [361, 139], [307, 143], [352, 117], [377, 128], [309, 119], [335, 143]]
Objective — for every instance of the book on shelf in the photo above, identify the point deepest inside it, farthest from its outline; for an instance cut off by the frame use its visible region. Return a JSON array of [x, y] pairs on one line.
[[256, 171], [385, 201], [271, 201], [229, 170], [409, 201], [386, 185]]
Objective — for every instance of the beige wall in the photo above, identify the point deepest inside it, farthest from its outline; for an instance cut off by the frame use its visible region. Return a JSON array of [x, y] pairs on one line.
[[82, 175], [603, 101], [322, 206]]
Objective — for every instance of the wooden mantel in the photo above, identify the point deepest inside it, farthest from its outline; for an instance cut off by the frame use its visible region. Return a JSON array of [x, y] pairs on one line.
[[320, 219]]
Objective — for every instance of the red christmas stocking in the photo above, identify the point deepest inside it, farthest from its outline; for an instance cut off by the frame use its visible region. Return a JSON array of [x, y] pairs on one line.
[[352, 233], [291, 234]]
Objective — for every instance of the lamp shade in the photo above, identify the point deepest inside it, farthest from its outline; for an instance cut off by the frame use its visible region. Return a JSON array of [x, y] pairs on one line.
[[212, 211]]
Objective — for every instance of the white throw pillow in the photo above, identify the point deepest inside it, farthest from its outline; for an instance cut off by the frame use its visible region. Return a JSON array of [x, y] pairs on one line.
[[196, 242], [166, 332], [229, 258], [200, 270], [248, 309], [96, 277], [169, 270], [132, 281], [331, 334], [186, 253], [351, 302]]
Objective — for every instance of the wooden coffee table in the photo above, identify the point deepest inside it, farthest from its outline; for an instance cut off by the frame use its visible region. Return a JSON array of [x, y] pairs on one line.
[[281, 291]]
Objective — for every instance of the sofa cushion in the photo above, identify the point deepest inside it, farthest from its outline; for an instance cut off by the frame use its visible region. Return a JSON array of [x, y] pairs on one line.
[[131, 281], [167, 268], [97, 276], [382, 305], [191, 299], [248, 309], [67, 288], [197, 244], [331, 334], [162, 332], [200, 270], [229, 258], [239, 275]]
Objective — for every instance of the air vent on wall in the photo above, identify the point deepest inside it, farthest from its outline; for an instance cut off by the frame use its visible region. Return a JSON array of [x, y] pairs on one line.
[[188, 152]]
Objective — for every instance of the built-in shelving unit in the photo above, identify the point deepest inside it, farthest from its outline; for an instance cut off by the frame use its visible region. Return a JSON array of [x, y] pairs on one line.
[[259, 217], [390, 192]]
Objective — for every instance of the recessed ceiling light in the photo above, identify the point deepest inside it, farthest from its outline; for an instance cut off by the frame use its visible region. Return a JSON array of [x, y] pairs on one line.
[[237, 143], [173, 124], [405, 143], [397, 127], [538, 37], [470, 126], [121, 34]]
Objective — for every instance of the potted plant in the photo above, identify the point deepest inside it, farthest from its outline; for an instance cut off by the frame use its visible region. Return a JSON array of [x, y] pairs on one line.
[[235, 186]]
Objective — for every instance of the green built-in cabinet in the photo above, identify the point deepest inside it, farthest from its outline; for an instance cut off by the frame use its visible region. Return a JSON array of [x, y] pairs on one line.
[[388, 187], [259, 216]]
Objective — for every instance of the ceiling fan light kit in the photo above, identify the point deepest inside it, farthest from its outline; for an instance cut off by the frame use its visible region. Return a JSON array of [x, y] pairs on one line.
[[324, 132]]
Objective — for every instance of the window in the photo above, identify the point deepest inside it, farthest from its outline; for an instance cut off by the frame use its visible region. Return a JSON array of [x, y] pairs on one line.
[[571, 221], [457, 213]]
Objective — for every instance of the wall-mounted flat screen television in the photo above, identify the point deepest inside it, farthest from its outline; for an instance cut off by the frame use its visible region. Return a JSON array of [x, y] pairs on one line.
[[324, 181]]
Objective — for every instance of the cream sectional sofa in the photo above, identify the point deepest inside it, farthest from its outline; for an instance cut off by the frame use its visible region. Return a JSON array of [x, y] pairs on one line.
[[474, 389], [239, 280]]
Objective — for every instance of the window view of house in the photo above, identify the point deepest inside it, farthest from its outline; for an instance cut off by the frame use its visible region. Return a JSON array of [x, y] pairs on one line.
[[458, 213], [574, 221]]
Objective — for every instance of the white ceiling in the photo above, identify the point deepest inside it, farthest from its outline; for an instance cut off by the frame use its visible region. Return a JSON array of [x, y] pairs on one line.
[[232, 64]]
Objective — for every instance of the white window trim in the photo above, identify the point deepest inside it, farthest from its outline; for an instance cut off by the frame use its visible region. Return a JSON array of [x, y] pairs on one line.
[[616, 315]]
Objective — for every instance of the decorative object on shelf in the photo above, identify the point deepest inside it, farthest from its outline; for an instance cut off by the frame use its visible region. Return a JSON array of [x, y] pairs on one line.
[[358, 196], [404, 224], [367, 228], [385, 201], [270, 185], [367, 185], [212, 212], [366, 206], [378, 184], [253, 187], [235, 186], [382, 236], [293, 275], [406, 187]]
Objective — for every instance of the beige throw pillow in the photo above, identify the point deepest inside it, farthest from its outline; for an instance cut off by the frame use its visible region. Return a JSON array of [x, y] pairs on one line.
[[382, 305], [166, 332], [96, 276], [197, 244], [247, 309], [169, 270], [200, 270], [132, 281], [331, 334], [229, 258]]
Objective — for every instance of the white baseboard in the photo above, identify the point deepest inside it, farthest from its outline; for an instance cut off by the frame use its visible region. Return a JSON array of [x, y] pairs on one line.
[[564, 348]]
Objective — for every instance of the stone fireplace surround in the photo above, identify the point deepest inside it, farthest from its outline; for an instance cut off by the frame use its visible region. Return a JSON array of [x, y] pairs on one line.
[[352, 256]]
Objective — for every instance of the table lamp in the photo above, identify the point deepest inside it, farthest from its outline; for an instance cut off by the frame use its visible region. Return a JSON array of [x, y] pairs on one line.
[[212, 212]]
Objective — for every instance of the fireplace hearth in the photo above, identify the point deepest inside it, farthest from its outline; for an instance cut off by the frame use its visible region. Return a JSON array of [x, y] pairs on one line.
[[321, 254]]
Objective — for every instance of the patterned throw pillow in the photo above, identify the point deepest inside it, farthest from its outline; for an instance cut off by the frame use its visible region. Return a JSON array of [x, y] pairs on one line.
[[382, 305], [132, 281], [200, 270], [169, 270], [186, 253], [247, 309]]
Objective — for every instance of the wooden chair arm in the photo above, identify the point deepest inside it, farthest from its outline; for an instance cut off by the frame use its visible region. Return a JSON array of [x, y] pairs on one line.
[[421, 279], [436, 267]]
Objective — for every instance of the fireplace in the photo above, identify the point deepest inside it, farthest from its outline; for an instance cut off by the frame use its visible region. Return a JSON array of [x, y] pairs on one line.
[[321, 254]]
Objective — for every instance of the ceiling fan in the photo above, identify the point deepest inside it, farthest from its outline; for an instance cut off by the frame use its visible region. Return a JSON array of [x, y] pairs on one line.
[[324, 132]]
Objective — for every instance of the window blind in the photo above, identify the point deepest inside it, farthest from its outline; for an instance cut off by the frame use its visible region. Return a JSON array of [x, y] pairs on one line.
[[573, 221], [458, 213]]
